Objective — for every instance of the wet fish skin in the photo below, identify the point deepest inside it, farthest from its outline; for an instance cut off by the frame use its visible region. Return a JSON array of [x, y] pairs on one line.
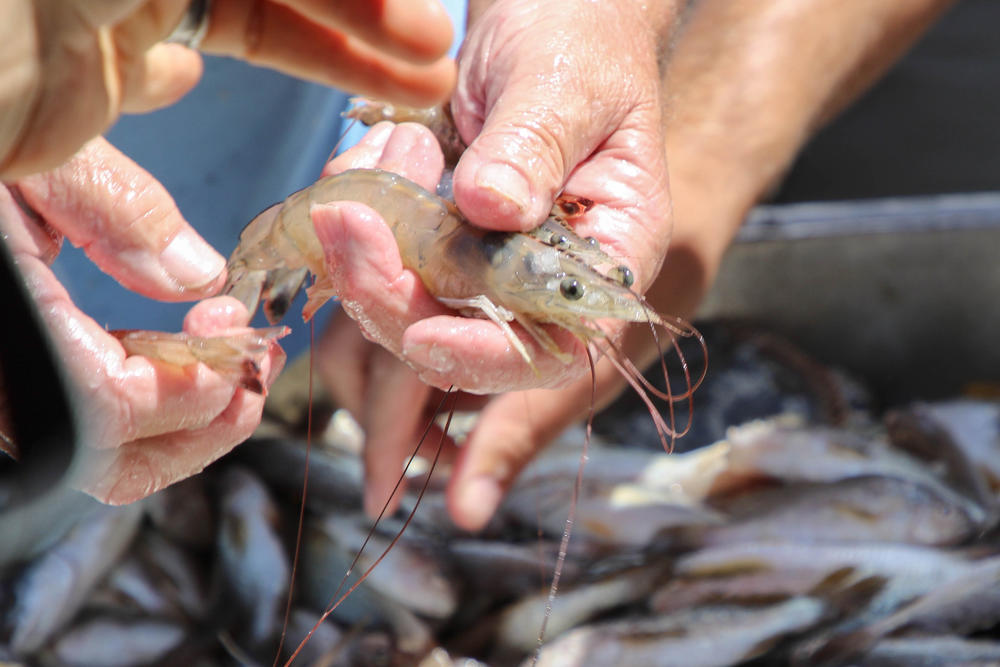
[[113, 642], [53, 587], [334, 479], [918, 431], [944, 651], [712, 636], [519, 622], [178, 573], [412, 575], [746, 570], [785, 450], [880, 509], [501, 571], [627, 496], [974, 426], [184, 513], [960, 606], [327, 641], [157, 578], [254, 565]]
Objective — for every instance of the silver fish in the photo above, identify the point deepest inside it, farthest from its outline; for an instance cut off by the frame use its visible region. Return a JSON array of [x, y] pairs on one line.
[[705, 637], [879, 509], [54, 586], [744, 570], [519, 622], [113, 642], [962, 605], [255, 566], [932, 652]]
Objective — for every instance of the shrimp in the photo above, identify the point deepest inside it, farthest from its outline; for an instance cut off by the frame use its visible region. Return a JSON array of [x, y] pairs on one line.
[[506, 276], [236, 357]]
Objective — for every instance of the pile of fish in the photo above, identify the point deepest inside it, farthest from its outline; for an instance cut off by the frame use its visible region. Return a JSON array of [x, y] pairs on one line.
[[787, 541]]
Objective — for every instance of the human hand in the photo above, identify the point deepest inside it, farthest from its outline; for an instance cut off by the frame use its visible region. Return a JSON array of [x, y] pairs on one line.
[[748, 84], [101, 59], [146, 424], [564, 105]]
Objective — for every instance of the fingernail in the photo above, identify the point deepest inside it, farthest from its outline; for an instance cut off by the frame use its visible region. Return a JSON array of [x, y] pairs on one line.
[[478, 500], [506, 182], [429, 357], [190, 261]]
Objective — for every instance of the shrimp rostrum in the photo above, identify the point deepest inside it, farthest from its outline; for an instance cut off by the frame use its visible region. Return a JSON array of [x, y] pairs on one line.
[[548, 277]]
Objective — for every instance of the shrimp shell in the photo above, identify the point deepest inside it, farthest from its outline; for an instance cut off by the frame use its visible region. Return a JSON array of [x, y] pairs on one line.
[[506, 276], [237, 357]]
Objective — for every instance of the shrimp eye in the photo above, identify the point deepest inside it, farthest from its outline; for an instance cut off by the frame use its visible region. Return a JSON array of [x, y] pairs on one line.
[[592, 242], [571, 288], [560, 242], [624, 275]]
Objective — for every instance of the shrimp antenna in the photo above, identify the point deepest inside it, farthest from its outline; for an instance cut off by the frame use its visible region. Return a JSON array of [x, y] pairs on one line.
[[664, 431], [571, 516], [691, 387], [675, 327], [343, 135], [302, 504], [336, 601]]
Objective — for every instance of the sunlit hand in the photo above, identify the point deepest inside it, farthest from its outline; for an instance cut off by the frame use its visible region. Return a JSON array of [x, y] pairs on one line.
[[548, 105], [147, 424], [70, 67]]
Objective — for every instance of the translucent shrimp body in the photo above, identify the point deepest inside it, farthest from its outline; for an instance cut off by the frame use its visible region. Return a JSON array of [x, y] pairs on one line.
[[505, 276]]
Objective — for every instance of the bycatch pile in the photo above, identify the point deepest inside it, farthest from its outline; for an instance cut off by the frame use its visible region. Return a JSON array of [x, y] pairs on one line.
[[804, 536]]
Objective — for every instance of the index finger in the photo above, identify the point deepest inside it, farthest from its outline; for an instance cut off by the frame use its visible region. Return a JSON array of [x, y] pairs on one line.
[[126, 222]]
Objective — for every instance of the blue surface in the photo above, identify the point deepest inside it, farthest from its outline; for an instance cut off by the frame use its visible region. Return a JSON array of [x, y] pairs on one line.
[[242, 140]]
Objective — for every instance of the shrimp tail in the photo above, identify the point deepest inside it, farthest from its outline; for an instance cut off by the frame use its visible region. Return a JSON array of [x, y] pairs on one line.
[[237, 357]]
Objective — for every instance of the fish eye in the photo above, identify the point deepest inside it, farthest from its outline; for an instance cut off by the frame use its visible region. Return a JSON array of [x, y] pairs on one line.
[[571, 288]]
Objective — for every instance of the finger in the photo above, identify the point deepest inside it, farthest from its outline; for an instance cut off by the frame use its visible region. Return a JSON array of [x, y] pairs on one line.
[[543, 103], [216, 316], [163, 75], [509, 433], [93, 62], [36, 134], [142, 467], [278, 37], [226, 315], [363, 155], [514, 427], [24, 231], [342, 359], [394, 408], [408, 149], [475, 355], [364, 264], [127, 397], [127, 224], [361, 252], [416, 30]]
